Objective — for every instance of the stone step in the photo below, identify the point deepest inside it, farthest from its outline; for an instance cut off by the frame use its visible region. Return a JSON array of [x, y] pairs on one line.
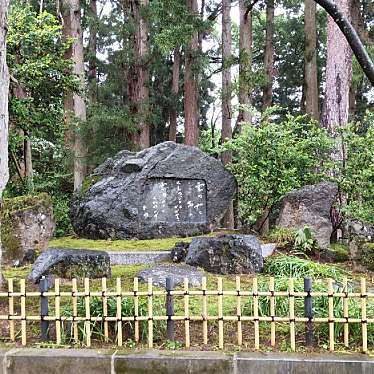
[[137, 258]]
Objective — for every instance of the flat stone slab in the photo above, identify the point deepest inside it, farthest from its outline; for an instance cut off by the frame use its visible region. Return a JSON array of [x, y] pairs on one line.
[[138, 258], [268, 249], [159, 274]]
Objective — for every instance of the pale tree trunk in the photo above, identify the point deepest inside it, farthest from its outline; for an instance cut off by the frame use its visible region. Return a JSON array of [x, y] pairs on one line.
[[92, 50], [226, 132], [245, 62], [311, 94], [4, 117], [338, 78], [191, 93], [175, 91], [138, 73], [269, 56], [74, 104]]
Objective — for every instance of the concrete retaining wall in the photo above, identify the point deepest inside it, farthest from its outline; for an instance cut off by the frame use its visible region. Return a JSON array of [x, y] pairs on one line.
[[81, 361]]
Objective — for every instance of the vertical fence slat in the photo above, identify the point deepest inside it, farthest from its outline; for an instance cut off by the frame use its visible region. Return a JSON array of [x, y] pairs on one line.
[[363, 316], [150, 313], [105, 308], [119, 312], [239, 312], [331, 314], [272, 311], [87, 323], [205, 311], [11, 309], [57, 311], [220, 312], [308, 312], [169, 309], [255, 314], [43, 287], [345, 312], [136, 309], [186, 313], [23, 311], [75, 309], [292, 313]]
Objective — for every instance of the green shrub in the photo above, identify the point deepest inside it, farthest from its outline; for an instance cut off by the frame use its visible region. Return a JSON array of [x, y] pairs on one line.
[[295, 267], [272, 159], [304, 241], [338, 252], [283, 236], [367, 258]]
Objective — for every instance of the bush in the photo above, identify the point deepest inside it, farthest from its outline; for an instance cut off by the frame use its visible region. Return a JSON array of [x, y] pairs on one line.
[[283, 236], [272, 159], [295, 267], [368, 256]]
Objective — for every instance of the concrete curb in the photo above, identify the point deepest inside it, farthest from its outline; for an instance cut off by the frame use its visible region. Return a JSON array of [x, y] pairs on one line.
[[79, 361]]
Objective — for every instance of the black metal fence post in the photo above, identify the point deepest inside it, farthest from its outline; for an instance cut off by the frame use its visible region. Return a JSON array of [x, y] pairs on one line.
[[44, 325], [170, 309], [308, 312]]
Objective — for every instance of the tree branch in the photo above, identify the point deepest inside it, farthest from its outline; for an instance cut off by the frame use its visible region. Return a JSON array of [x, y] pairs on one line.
[[352, 37]]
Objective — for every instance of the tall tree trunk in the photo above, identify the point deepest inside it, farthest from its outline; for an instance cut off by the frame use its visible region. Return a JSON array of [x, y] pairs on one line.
[[245, 62], [191, 93], [338, 78], [138, 73], [92, 50], [311, 94], [269, 56], [4, 117], [74, 104], [175, 91], [226, 132]]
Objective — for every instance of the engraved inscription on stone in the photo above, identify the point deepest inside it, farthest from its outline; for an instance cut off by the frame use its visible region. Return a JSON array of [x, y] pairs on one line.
[[174, 200]]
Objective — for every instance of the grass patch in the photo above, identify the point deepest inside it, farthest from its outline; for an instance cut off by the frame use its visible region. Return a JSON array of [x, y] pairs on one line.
[[295, 267], [117, 245]]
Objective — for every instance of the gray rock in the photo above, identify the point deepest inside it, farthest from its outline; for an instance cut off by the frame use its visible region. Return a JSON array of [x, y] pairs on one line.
[[177, 273], [70, 263], [310, 206], [227, 254], [166, 190], [179, 252], [27, 226], [268, 249]]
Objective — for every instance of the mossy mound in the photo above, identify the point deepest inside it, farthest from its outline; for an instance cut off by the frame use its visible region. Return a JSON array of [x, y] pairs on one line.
[[16, 216], [367, 258], [338, 252]]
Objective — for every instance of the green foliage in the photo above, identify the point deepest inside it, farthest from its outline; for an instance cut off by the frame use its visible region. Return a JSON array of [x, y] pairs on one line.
[[295, 267], [283, 236], [357, 175], [304, 241], [127, 310], [339, 252], [272, 158], [368, 256]]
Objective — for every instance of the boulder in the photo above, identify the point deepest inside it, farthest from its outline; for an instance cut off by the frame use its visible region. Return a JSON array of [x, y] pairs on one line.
[[177, 273], [27, 226], [226, 254], [179, 251], [71, 263], [310, 206], [166, 190]]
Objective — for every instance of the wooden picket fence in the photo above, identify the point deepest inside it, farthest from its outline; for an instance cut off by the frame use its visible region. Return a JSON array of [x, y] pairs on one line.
[[18, 313]]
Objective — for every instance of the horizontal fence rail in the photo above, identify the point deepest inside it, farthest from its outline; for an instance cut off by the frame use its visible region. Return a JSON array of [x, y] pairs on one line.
[[118, 310]]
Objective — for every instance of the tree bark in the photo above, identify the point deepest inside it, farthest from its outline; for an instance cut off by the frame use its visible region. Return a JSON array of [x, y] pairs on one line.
[[4, 116], [74, 104], [175, 91], [92, 50], [269, 56], [245, 63], [191, 93], [351, 36], [226, 132], [310, 87], [338, 78], [138, 73]]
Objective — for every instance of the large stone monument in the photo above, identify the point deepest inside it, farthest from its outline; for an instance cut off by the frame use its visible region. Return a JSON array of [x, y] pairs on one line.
[[166, 190]]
